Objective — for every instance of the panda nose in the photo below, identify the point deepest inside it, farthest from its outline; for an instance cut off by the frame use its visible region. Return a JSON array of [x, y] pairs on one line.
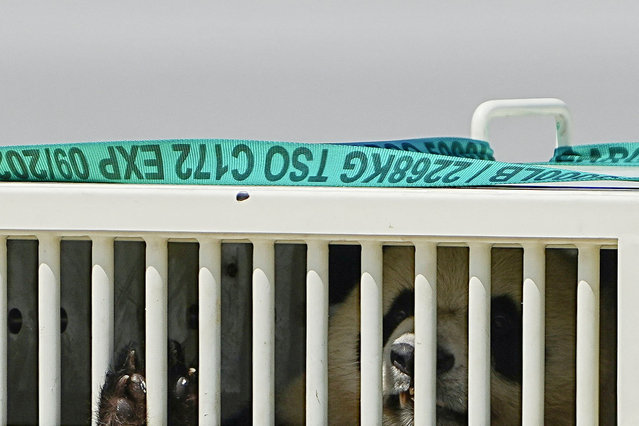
[[445, 360], [403, 357]]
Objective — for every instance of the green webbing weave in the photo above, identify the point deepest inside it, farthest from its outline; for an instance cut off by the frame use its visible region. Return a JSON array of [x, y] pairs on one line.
[[432, 162], [605, 154]]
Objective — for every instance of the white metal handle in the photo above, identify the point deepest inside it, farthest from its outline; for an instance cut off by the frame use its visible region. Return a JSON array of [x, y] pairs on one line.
[[521, 107]]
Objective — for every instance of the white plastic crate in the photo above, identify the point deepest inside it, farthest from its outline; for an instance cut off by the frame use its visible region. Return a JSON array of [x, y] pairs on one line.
[[532, 218]]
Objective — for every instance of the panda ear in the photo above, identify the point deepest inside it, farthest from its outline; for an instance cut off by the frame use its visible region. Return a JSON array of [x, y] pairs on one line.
[[506, 337], [343, 271]]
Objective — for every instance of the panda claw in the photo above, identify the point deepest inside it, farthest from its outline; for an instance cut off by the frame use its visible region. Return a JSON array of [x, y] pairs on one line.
[[122, 383], [130, 362], [137, 387], [181, 388]]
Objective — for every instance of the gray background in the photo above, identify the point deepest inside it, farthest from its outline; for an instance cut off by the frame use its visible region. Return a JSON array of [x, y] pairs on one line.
[[309, 71]]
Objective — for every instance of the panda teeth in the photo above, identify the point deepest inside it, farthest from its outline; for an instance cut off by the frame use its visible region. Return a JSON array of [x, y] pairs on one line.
[[403, 399], [407, 396]]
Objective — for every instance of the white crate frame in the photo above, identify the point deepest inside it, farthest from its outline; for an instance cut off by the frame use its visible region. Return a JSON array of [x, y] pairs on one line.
[[530, 218]]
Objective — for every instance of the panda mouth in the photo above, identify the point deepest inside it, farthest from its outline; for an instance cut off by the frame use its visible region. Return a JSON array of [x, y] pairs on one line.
[[407, 400]]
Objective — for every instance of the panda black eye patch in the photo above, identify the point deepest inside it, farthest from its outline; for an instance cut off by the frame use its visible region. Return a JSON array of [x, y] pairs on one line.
[[505, 337], [403, 307]]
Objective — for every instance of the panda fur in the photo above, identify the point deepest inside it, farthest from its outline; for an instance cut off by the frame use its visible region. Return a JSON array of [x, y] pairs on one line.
[[452, 334]]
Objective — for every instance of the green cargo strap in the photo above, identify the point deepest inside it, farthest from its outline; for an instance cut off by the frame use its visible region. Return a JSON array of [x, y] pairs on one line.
[[429, 162]]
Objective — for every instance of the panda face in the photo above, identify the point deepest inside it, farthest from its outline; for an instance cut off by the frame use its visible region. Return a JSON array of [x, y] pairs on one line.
[[452, 342], [399, 344], [452, 337]]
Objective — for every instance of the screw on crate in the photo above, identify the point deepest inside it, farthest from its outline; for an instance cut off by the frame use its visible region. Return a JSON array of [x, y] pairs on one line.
[[15, 321], [64, 320], [231, 270], [242, 195]]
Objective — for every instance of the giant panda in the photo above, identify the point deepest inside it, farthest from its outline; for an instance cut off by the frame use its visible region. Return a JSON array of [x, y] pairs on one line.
[[452, 347], [123, 396]]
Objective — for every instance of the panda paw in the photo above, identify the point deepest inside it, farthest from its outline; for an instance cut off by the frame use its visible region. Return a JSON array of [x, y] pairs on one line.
[[123, 396]]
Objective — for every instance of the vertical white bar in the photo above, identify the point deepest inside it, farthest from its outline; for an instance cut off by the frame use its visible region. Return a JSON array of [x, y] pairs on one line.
[[588, 336], [479, 335], [209, 329], [425, 333], [263, 332], [102, 323], [156, 330], [627, 342], [533, 334], [317, 333], [3, 330], [49, 329], [371, 332]]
